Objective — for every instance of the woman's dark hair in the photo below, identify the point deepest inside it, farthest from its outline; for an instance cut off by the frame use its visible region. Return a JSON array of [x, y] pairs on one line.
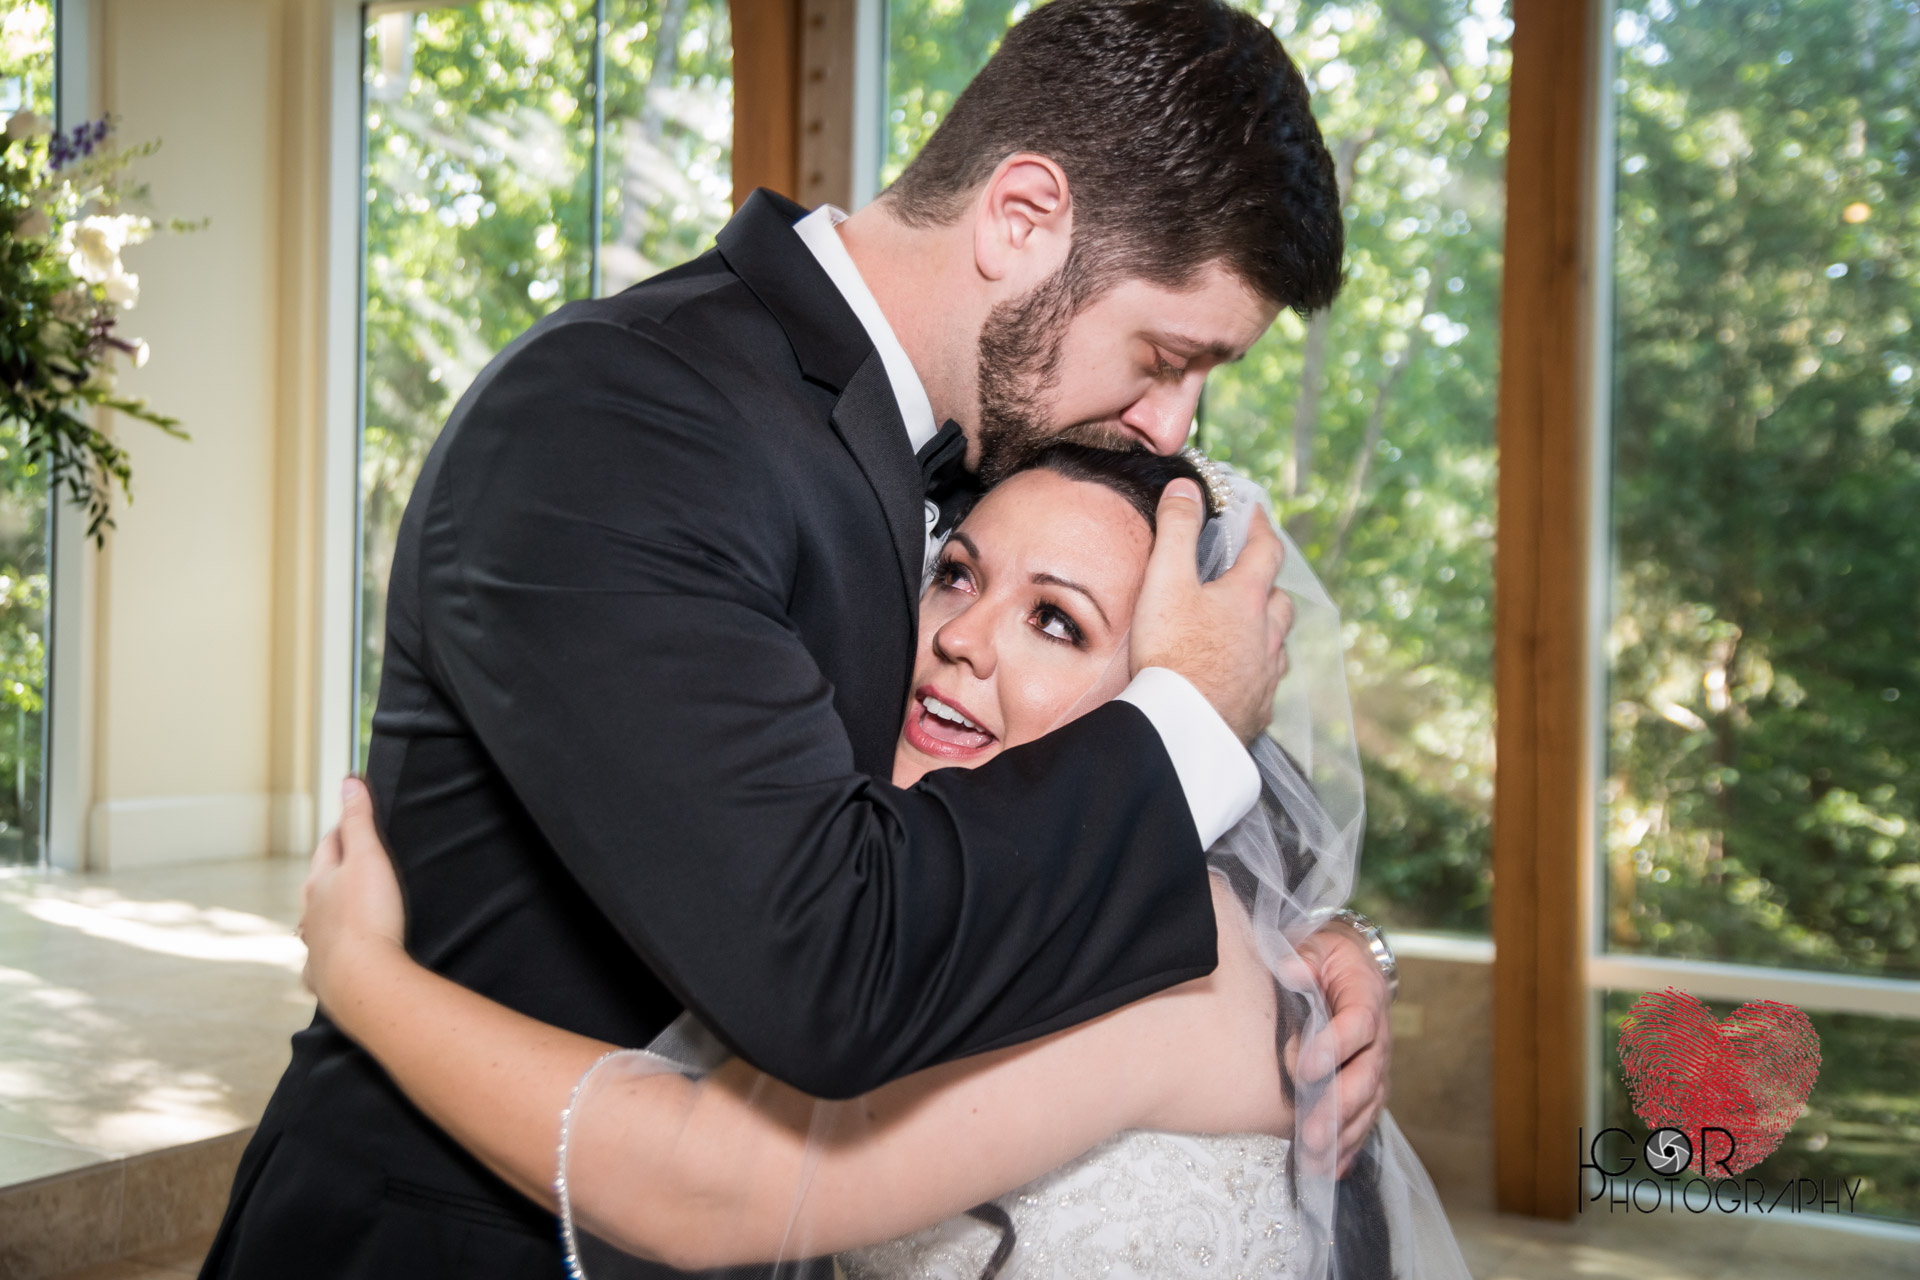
[[1186, 137], [1136, 475]]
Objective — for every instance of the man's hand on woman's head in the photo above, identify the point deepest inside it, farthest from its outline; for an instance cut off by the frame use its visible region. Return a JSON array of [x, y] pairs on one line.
[[1358, 1040], [1226, 637], [351, 908]]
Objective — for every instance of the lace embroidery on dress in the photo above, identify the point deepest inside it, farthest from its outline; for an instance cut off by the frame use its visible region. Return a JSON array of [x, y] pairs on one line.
[[1143, 1204]]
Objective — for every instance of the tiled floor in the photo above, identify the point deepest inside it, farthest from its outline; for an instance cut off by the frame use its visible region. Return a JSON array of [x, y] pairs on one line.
[[142, 1010]]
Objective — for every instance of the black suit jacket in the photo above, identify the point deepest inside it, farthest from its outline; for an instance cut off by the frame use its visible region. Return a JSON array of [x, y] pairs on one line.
[[650, 637]]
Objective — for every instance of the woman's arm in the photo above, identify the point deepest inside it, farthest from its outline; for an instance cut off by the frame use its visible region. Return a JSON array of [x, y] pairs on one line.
[[712, 1173]]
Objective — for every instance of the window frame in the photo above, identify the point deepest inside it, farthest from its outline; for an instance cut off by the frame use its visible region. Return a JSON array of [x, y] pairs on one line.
[[72, 566]]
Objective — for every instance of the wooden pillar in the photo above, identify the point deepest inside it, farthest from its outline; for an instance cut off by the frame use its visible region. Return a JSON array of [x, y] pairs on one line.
[[1544, 795], [826, 102], [766, 61], [793, 91]]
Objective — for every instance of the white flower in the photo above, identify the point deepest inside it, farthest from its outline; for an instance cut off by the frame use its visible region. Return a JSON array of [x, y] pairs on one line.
[[25, 124], [33, 224], [123, 290], [97, 241], [140, 353]]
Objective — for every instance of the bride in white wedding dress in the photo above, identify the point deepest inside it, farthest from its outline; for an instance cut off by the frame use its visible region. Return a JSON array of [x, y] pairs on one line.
[[1191, 1133]]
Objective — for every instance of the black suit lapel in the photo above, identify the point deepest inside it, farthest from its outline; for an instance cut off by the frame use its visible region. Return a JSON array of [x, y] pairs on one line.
[[867, 418], [760, 246], [833, 349]]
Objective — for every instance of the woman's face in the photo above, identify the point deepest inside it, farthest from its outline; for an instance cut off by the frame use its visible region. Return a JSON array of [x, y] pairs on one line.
[[1024, 626]]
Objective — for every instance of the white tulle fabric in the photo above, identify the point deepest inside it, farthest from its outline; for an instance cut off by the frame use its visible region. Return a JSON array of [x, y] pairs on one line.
[[1146, 1204]]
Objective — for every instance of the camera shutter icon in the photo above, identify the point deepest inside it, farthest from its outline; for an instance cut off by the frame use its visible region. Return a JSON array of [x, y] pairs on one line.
[[1668, 1151]]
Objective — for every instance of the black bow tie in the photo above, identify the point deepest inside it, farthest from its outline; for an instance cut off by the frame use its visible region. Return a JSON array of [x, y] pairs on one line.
[[943, 472]]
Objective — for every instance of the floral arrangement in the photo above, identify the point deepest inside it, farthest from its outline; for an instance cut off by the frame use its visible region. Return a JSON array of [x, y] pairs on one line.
[[63, 289]]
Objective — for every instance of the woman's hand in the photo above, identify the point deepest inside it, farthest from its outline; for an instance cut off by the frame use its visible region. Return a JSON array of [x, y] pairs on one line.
[[352, 913]]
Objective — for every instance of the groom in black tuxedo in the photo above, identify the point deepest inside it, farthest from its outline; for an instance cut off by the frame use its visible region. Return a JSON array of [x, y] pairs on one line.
[[651, 627]]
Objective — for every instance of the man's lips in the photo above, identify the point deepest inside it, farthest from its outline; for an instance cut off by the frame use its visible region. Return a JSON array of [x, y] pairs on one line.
[[937, 734]]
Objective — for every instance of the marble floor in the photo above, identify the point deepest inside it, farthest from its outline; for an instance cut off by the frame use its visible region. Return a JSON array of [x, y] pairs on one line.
[[142, 1010]]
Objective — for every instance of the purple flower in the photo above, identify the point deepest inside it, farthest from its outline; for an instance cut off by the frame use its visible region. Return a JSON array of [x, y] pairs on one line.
[[79, 142]]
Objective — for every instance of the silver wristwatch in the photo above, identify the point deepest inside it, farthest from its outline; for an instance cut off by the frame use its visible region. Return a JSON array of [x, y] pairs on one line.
[[1370, 934]]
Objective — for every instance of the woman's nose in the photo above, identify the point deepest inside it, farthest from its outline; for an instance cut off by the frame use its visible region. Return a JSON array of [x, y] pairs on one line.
[[966, 639], [1164, 416]]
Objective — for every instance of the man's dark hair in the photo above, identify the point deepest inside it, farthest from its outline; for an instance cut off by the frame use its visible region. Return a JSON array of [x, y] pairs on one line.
[[1186, 137]]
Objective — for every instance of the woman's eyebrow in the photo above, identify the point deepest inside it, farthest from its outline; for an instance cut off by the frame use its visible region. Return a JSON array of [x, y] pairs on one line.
[[966, 542], [1069, 584]]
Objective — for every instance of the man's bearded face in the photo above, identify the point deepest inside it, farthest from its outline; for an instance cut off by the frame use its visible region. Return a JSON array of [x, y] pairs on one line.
[[1020, 346]]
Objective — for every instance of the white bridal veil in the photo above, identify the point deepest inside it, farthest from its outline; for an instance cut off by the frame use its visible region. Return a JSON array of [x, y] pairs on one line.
[[1289, 861]]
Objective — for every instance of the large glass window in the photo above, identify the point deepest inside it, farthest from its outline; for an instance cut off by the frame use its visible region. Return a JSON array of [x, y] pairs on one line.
[[26, 83], [496, 192], [1372, 424], [1762, 796]]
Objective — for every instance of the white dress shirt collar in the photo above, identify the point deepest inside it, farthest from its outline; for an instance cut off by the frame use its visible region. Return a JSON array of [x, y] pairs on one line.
[[817, 232]]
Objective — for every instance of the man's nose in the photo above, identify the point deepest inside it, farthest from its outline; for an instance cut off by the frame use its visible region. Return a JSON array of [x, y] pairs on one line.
[[1163, 417]]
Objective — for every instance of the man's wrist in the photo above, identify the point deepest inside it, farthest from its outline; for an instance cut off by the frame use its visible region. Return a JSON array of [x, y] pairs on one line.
[[1216, 774], [1371, 938]]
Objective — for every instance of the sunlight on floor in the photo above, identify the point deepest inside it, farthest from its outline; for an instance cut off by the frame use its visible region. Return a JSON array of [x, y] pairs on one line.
[[143, 1010]]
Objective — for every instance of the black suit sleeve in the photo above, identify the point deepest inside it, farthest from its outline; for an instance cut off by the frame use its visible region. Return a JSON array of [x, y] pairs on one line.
[[602, 579]]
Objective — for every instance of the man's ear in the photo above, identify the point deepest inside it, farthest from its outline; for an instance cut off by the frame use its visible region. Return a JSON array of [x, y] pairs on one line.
[[1023, 222]]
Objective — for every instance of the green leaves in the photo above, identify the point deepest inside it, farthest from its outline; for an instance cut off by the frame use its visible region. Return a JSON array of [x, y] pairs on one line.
[[1765, 750]]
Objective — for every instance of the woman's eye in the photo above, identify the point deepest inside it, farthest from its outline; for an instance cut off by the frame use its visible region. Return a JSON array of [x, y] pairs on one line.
[[953, 575], [1052, 622]]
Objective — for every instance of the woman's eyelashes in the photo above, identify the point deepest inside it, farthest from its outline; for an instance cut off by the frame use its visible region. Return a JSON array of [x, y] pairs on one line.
[[951, 575], [1057, 624]]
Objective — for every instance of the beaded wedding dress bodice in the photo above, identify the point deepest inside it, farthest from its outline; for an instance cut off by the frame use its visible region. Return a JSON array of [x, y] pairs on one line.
[[1141, 1206]]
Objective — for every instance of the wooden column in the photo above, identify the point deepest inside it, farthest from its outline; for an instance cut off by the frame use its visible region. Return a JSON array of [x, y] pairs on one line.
[[766, 63], [1544, 794], [826, 102], [793, 82]]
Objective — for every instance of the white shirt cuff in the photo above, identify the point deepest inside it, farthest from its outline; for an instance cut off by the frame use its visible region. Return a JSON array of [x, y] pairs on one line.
[[1215, 770]]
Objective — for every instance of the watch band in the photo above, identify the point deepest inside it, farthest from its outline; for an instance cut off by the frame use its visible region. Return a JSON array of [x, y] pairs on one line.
[[1370, 934]]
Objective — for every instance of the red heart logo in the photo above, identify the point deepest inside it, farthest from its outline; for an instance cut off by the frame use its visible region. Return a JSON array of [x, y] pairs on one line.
[[1749, 1075]]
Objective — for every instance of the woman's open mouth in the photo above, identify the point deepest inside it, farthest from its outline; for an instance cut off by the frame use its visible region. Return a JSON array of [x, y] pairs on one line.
[[939, 727]]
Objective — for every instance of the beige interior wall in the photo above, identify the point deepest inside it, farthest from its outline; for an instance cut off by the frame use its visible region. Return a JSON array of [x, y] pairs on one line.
[[202, 601]]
